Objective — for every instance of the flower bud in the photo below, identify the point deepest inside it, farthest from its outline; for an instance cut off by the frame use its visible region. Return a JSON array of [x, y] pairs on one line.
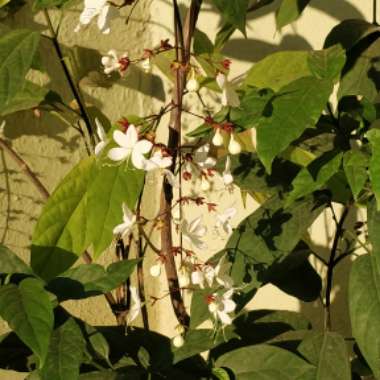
[[155, 270], [192, 85], [178, 341], [183, 278], [234, 146], [217, 140], [146, 66], [205, 184]]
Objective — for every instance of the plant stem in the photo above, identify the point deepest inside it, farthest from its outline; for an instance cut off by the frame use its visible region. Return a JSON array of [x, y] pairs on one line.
[[74, 88], [184, 37], [331, 264]]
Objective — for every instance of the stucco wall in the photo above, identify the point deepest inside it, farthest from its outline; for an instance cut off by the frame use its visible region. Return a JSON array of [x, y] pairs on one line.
[[51, 148]]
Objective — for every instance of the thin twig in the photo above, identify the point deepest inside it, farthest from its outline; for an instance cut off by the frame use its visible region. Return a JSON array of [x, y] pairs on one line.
[[74, 88], [331, 264]]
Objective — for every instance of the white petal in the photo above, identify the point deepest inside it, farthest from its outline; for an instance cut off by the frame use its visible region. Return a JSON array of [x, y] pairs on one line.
[[87, 15], [128, 215], [121, 229], [118, 154], [138, 160], [123, 139], [221, 80], [100, 130], [209, 273], [197, 278], [99, 147], [224, 317], [143, 146], [103, 22], [229, 306]]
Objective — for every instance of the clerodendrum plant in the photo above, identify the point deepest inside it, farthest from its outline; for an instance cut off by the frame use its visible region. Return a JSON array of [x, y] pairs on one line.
[[313, 152]]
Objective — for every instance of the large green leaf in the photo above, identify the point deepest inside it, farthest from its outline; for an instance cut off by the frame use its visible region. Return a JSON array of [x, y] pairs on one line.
[[289, 11], [83, 210], [364, 304], [328, 63], [252, 108], [361, 73], [29, 313], [374, 165], [328, 352], [30, 96], [202, 44], [233, 12], [295, 108], [355, 164], [315, 176], [17, 50], [65, 353], [11, 263], [279, 69], [89, 280], [264, 362], [349, 32]]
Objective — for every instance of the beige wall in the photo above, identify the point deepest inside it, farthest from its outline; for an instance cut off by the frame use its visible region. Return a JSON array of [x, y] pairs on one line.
[[52, 149]]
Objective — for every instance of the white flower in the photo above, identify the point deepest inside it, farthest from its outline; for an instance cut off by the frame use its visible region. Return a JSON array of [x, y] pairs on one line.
[[229, 94], [158, 161], [135, 309], [228, 179], [234, 146], [192, 85], [155, 270], [129, 145], [100, 8], [178, 341], [221, 306], [193, 232], [129, 220], [223, 219], [102, 137], [202, 159], [146, 65], [110, 61], [198, 278]]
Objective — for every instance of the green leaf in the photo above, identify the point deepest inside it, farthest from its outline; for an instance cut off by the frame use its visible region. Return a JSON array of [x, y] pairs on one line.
[[328, 352], [264, 362], [223, 35], [328, 63], [289, 11], [97, 342], [65, 353], [315, 176], [293, 273], [233, 12], [220, 374], [355, 165], [364, 305], [349, 32], [89, 280], [360, 76], [296, 107], [29, 97], [272, 232], [199, 311], [28, 311], [202, 44], [254, 104], [374, 165], [17, 50], [279, 69], [10, 263], [83, 210]]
